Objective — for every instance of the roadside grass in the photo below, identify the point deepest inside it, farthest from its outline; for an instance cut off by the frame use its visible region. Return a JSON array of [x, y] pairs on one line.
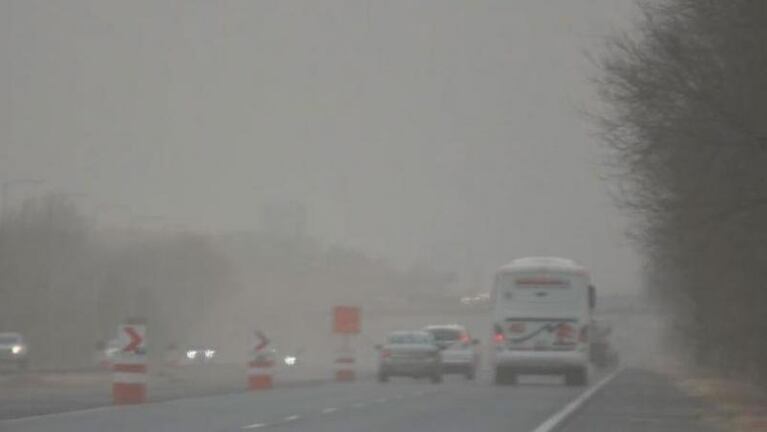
[[740, 406]]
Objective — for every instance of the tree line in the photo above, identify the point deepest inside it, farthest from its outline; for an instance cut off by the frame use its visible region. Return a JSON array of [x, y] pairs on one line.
[[686, 128], [66, 284]]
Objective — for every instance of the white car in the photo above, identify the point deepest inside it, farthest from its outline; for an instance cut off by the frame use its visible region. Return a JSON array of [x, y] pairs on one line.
[[459, 350]]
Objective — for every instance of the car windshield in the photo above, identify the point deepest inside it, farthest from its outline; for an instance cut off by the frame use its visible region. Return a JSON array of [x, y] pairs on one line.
[[445, 335], [249, 215], [9, 339], [410, 338]]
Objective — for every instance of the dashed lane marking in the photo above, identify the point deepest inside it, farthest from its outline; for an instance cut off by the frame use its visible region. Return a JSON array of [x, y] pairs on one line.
[[330, 410]]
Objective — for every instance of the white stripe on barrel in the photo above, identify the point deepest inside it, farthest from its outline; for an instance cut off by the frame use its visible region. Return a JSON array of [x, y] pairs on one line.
[[260, 373], [129, 368], [344, 368]]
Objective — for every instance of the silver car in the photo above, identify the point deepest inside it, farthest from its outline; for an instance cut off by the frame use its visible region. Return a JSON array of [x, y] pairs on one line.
[[13, 349], [412, 354], [459, 351]]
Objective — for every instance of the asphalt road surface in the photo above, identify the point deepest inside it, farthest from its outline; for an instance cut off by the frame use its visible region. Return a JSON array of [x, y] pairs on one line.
[[37, 393], [641, 400], [400, 405]]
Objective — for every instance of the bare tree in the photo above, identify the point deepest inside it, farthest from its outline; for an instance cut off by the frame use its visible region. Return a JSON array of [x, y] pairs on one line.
[[685, 130]]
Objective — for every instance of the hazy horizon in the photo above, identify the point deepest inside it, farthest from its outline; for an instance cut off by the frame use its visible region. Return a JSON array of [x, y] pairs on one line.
[[446, 133]]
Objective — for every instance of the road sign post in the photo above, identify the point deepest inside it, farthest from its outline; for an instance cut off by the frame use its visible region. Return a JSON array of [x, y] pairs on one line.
[[345, 360], [130, 365], [346, 324]]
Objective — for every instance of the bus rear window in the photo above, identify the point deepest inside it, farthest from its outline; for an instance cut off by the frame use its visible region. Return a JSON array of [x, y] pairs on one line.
[[541, 283], [526, 289]]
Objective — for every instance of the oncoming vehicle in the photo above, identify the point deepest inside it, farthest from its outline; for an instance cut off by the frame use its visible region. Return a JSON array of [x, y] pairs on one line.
[[542, 315], [293, 358], [106, 352], [200, 355], [410, 353], [459, 350], [13, 350]]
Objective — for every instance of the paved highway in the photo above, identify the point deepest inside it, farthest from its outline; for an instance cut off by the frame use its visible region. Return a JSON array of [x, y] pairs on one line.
[[36, 393], [401, 405], [635, 400]]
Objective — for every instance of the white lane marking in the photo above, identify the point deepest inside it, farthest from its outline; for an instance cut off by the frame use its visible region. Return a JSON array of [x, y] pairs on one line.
[[254, 426], [329, 410], [559, 417], [419, 393], [21, 420], [358, 405], [292, 417]]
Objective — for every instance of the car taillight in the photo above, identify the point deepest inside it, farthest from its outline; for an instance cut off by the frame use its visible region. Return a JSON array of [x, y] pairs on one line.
[[465, 339], [385, 354], [583, 335], [498, 336]]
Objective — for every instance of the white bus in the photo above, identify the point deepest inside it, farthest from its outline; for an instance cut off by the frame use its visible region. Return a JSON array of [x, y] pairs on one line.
[[542, 315]]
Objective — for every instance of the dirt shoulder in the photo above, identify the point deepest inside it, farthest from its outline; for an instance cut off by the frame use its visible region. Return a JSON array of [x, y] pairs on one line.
[[739, 405]]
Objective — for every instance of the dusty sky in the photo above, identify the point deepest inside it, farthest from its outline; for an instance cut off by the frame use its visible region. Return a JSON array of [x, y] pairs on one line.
[[439, 131]]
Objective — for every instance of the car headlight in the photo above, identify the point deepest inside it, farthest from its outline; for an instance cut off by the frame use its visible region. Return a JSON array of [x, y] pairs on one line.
[[210, 353], [17, 349], [191, 355]]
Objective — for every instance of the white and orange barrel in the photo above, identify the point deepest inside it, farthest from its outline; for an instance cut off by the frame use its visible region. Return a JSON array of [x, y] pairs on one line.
[[260, 371], [129, 366], [129, 381], [344, 367]]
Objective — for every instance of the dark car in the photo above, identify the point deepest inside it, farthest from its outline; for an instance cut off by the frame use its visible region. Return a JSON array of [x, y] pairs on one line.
[[410, 353], [602, 353]]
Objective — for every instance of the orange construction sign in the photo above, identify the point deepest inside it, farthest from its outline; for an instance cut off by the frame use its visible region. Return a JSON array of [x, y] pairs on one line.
[[346, 319]]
